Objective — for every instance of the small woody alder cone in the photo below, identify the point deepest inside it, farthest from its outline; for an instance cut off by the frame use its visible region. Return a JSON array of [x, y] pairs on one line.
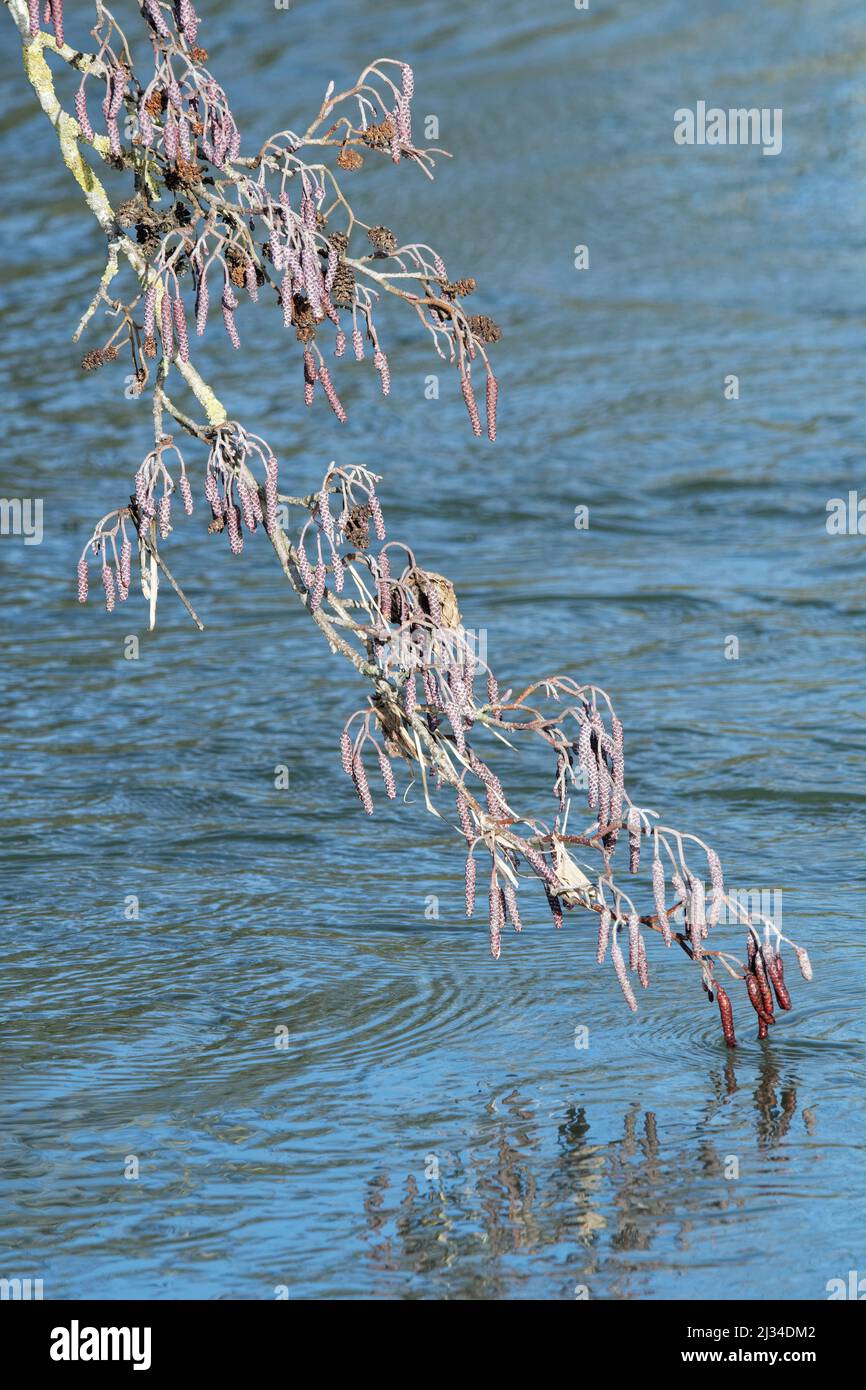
[[379, 137], [457, 289], [484, 328], [383, 240], [350, 159]]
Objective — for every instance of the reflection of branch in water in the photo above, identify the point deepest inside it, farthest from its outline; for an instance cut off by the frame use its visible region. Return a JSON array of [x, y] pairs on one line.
[[521, 1189]]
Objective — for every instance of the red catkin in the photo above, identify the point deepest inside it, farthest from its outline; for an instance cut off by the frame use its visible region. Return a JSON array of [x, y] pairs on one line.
[[727, 1015], [756, 999], [776, 972]]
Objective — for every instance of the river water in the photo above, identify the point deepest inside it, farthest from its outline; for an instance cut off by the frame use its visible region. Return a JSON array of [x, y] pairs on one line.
[[432, 1130]]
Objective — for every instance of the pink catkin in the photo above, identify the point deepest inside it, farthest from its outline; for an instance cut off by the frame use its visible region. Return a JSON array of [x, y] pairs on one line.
[[180, 329], [633, 839], [658, 873], [358, 344], [346, 752], [82, 563], [271, 503], [164, 516], [361, 784], [497, 919], [167, 325], [470, 885], [236, 540], [555, 906], [186, 494], [633, 940], [718, 885], [621, 973], [331, 395], [380, 362], [492, 397], [642, 964], [387, 776], [125, 566], [603, 935], [512, 906], [108, 585], [376, 514], [471, 406], [81, 114]]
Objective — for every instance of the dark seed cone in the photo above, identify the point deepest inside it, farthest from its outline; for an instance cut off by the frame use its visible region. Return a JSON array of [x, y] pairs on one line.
[[383, 239], [378, 137], [457, 289], [484, 328]]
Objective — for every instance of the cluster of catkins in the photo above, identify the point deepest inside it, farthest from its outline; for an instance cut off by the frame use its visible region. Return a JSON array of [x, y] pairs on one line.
[[184, 121], [234, 501]]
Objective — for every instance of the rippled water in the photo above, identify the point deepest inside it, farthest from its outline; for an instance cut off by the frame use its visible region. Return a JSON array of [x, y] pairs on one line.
[[431, 1129]]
